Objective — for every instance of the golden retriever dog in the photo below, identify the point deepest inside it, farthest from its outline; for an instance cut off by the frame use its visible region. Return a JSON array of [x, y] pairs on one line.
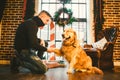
[[72, 51]]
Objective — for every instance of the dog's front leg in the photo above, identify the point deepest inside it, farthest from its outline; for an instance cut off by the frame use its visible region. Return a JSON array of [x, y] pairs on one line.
[[58, 52], [71, 68]]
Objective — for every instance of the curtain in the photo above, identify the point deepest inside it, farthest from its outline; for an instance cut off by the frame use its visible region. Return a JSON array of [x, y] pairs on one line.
[[2, 6], [29, 9], [98, 17]]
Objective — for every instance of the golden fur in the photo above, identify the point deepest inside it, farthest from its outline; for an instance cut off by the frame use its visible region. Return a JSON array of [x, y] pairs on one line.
[[74, 54]]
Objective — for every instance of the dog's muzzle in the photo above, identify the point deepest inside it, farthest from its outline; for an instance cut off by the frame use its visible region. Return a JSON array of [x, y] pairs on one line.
[[65, 38]]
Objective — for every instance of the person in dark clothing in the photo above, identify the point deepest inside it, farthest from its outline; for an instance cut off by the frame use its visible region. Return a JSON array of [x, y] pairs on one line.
[[28, 47]]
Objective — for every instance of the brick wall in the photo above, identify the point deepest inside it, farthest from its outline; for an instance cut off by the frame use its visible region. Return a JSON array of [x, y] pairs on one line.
[[111, 13], [12, 16]]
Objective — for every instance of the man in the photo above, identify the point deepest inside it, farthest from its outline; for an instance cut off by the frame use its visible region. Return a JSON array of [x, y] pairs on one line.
[[27, 44]]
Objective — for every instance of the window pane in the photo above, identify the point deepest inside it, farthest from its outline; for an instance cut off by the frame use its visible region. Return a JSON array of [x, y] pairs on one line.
[[79, 10], [45, 7], [59, 31], [80, 29], [82, 11]]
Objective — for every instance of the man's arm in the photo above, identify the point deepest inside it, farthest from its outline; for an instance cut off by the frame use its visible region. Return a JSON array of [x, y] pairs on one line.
[[33, 40]]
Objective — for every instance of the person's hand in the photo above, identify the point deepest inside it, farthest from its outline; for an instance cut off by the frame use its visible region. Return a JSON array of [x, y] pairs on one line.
[[49, 50], [42, 42]]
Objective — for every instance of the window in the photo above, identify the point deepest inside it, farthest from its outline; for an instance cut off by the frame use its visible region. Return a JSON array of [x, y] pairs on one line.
[[81, 11]]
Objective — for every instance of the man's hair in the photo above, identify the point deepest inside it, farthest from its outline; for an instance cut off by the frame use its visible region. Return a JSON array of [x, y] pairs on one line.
[[43, 11]]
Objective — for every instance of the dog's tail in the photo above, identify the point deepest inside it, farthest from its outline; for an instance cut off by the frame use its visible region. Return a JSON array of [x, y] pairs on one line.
[[97, 70]]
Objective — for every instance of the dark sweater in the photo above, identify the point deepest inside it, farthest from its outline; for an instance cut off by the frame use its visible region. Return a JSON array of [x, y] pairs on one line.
[[26, 35]]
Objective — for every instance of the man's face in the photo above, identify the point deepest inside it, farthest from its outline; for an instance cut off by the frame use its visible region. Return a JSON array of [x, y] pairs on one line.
[[45, 18]]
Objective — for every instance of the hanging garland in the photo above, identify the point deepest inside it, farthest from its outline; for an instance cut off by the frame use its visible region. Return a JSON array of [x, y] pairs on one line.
[[64, 21]]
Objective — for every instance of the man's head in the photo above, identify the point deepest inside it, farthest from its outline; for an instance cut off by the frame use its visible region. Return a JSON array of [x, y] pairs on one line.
[[45, 17]]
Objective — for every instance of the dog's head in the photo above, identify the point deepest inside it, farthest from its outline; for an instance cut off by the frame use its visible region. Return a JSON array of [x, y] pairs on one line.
[[69, 36]]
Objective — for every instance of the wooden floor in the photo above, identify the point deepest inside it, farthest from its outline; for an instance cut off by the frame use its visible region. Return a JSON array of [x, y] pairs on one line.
[[54, 74]]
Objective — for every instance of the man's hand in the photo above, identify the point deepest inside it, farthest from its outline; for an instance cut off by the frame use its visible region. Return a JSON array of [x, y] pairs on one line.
[[42, 42]]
